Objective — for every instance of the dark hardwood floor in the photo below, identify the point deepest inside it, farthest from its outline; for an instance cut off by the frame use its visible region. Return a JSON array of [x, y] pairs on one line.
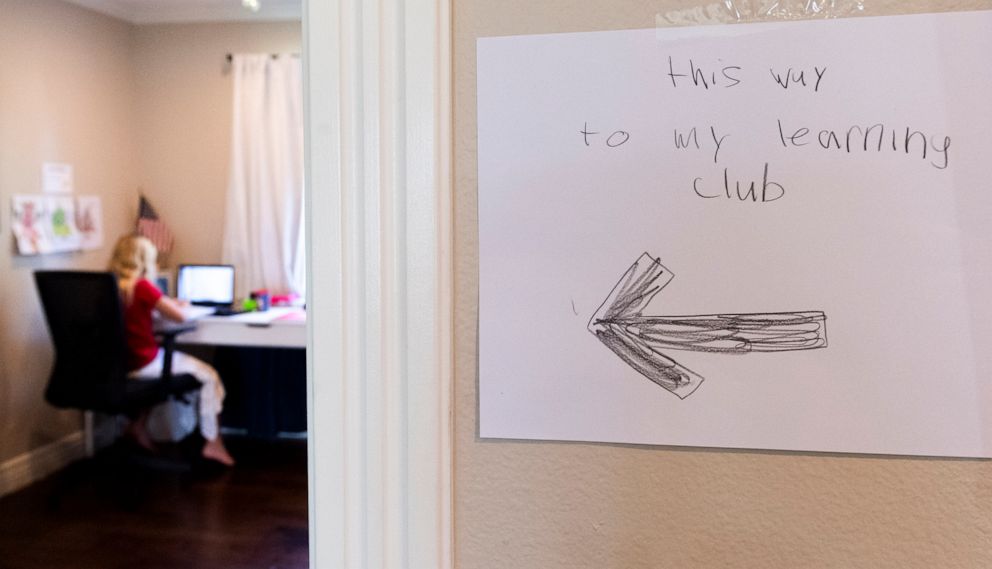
[[116, 511]]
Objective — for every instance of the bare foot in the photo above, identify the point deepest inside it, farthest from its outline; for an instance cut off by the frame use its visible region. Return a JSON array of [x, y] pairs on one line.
[[216, 451], [136, 433]]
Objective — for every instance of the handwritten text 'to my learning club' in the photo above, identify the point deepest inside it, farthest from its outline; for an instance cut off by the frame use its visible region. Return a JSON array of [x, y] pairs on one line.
[[862, 138]]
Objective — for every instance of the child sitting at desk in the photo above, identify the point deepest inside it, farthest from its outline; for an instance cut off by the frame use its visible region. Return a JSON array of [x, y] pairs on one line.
[[134, 264]]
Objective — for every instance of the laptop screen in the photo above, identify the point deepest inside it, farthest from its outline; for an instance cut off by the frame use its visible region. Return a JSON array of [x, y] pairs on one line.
[[206, 285]]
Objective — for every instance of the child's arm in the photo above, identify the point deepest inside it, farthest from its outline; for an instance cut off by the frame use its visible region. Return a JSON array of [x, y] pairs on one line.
[[170, 308]]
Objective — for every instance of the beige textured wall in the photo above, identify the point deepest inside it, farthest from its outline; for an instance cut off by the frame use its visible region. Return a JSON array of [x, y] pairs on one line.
[[184, 122], [65, 96], [542, 505]]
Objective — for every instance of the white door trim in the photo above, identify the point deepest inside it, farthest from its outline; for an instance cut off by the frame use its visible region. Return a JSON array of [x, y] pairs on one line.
[[379, 222]]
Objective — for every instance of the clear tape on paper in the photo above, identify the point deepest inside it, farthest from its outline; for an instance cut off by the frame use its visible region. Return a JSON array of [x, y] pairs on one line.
[[743, 11]]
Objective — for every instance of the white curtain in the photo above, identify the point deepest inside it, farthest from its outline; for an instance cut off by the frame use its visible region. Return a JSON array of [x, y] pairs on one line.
[[263, 233]]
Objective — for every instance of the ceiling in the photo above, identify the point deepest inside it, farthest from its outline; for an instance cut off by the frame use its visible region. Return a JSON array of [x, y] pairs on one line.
[[166, 11]]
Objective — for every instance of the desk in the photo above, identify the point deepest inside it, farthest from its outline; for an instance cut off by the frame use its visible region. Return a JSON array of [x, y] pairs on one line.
[[261, 357], [274, 328]]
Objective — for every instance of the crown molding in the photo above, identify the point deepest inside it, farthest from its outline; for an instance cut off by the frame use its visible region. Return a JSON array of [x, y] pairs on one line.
[[190, 11]]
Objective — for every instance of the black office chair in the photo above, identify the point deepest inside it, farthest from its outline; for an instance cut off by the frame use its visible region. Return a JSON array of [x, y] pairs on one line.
[[86, 322]]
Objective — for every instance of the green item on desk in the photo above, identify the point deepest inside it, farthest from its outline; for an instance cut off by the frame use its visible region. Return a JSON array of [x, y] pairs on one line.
[[249, 305]]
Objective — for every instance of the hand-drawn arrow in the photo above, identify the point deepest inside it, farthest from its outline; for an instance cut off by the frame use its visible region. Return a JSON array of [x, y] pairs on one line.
[[638, 339]]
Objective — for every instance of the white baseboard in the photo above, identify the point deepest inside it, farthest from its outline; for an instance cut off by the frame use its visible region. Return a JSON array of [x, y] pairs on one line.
[[22, 470]]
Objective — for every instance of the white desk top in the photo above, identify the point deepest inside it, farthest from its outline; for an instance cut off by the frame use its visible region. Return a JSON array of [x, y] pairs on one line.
[[275, 328]]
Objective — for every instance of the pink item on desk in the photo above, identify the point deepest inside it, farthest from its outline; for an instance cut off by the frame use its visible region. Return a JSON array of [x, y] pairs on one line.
[[294, 316], [284, 299]]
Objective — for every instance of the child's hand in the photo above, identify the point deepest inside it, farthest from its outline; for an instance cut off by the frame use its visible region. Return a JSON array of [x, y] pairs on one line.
[[182, 303]]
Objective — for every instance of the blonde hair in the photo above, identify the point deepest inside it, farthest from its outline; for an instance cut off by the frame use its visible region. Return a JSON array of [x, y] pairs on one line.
[[135, 258]]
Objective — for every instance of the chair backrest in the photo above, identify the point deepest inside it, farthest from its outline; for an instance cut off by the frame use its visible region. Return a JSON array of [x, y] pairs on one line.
[[86, 322]]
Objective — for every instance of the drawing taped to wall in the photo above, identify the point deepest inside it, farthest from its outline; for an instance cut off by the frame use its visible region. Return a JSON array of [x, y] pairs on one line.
[[45, 224], [62, 224], [30, 216], [637, 339], [89, 222]]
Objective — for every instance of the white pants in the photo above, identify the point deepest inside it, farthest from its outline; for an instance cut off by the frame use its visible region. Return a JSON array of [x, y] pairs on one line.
[[174, 420]]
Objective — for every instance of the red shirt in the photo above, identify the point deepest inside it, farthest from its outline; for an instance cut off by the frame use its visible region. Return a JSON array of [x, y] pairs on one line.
[[141, 344]]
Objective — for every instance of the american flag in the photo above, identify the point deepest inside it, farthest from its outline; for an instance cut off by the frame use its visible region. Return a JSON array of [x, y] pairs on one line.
[[150, 226]]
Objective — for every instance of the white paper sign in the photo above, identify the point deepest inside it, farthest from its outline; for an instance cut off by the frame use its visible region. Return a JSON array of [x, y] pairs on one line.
[[56, 178], [754, 236]]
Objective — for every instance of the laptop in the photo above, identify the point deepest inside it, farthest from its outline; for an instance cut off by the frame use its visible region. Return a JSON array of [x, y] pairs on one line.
[[210, 286]]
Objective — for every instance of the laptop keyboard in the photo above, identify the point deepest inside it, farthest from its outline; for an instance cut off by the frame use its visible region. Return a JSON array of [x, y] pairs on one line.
[[227, 311]]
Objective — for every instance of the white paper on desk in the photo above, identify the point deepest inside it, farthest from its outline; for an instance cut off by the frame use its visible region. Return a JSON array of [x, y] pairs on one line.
[[579, 175], [193, 312], [261, 317]]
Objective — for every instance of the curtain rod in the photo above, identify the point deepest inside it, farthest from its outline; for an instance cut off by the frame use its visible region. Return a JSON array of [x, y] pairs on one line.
[[230, 57]]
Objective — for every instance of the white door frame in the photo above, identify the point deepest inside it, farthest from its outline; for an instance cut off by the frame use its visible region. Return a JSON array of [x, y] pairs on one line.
[[379, 229]]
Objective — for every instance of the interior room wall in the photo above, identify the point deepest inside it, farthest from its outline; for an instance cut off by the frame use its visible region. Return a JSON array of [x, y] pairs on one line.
[[66, 89], [183, 120], [539, 505]]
